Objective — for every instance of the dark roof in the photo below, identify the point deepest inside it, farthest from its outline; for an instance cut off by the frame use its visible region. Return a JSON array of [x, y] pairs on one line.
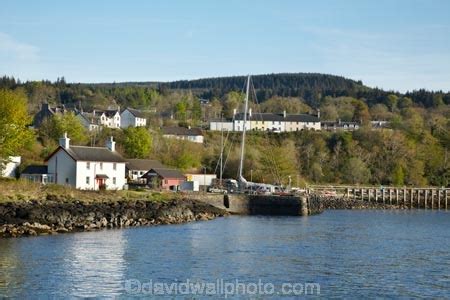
[[302, 118], [271, 117], [137, 113], [101, 176], [143, 164], [165, 173], [109, 112], [94, 154], [35, 169], [181, 131], [82, 153]]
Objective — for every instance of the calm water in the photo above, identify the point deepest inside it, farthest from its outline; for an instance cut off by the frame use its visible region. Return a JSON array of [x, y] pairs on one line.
[[349, 253]]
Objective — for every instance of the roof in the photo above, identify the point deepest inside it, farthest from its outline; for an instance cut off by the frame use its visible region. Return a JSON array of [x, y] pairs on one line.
[[82, 153], [109, 112], [101, 176], [137, 113], [90, 117], [271, 117], [181, 131], [143, 164], [35, 169], [166, 173]]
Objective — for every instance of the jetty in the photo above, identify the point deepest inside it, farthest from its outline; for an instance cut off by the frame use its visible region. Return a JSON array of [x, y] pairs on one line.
[[408, 197]]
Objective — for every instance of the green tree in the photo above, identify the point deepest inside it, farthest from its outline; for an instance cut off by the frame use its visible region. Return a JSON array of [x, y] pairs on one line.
[[356, 171], [137, 142], [54, 128], [14, 119], [398, 176]]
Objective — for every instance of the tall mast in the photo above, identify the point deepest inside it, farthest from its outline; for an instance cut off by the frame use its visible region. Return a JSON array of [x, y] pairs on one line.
[[241, 165], [221, 148]]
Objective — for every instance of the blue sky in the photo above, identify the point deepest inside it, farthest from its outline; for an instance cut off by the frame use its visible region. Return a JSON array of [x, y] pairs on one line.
[[400, 45]]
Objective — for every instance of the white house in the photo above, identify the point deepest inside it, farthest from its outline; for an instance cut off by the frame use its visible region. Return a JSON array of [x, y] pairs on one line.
[[189, 134], [132, 117], [110, 118], [90, 121], [268, 122], [10, 166], [87, 168]]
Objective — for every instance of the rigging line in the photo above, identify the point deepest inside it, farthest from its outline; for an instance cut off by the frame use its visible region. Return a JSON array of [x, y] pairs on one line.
[[275, 170]]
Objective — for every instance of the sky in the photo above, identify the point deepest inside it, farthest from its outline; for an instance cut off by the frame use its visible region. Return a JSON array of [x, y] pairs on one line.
[[392, 44]]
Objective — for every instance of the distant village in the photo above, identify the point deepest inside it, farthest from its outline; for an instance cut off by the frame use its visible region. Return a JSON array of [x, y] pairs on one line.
[[98, 168]]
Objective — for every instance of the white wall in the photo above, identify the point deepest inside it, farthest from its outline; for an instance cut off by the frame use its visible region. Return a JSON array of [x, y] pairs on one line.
[[96, 168], [127, 119], [217, 126], [10, 167], [63, 167]]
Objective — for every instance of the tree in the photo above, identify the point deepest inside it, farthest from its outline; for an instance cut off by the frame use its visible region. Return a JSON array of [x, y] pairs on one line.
[[356, 171], [14, 120], [137, 142], [54, 128]]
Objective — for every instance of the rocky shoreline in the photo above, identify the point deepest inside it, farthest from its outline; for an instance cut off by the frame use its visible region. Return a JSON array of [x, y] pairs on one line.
[[43, 217], [337, 202]]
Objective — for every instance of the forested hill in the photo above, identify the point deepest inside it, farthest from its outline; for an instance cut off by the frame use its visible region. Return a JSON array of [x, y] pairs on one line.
[[311, 87], [305, 85]]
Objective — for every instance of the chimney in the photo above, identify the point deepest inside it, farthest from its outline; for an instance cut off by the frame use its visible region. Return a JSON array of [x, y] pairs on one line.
[[284, 114], [249, 112], [318, 113], [64, 141], [110, 144]]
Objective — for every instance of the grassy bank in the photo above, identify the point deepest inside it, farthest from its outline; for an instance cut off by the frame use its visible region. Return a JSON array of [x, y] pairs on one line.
[[12, 190]]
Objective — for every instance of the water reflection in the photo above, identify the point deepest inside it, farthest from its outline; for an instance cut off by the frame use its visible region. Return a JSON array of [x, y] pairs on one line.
[[95, 263]]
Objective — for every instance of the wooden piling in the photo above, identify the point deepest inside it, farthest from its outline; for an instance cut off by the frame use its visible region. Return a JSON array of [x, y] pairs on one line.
[[439, 199], [348, 193], [376, 195], [425, 201], [382, 195], [411, 198], [418, 199], [446, 196], [396, 196], [432, 199], [354, 194], [390, 196], [404, 197]]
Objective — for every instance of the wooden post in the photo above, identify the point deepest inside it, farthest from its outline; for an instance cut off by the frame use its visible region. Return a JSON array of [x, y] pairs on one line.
[[362, 194], [425, 201], [432, 199], [418, 199], [446, 196], [404, 197], [390, 196], [368, 194], [354, 194], [396, 196], [439, 199], [382, 195], [348, 193], [376, 195], [411, 198]]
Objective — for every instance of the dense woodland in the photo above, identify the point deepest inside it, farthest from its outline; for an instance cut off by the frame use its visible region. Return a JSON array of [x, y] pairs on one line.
[[412, 151]]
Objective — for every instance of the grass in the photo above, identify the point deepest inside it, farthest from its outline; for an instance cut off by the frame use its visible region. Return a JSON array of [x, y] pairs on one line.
[[12, 190]]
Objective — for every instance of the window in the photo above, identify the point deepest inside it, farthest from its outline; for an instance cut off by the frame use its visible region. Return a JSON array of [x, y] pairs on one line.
[[114, 180], [101, 166], [88, 180], [114, 166], [67, 180], [88, 165]]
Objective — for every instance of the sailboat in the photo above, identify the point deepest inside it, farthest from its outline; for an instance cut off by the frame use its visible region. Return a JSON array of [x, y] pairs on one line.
[[243, 184]]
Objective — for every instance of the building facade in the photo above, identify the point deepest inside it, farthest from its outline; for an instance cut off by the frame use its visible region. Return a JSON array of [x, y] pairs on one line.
[[87, 168]]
